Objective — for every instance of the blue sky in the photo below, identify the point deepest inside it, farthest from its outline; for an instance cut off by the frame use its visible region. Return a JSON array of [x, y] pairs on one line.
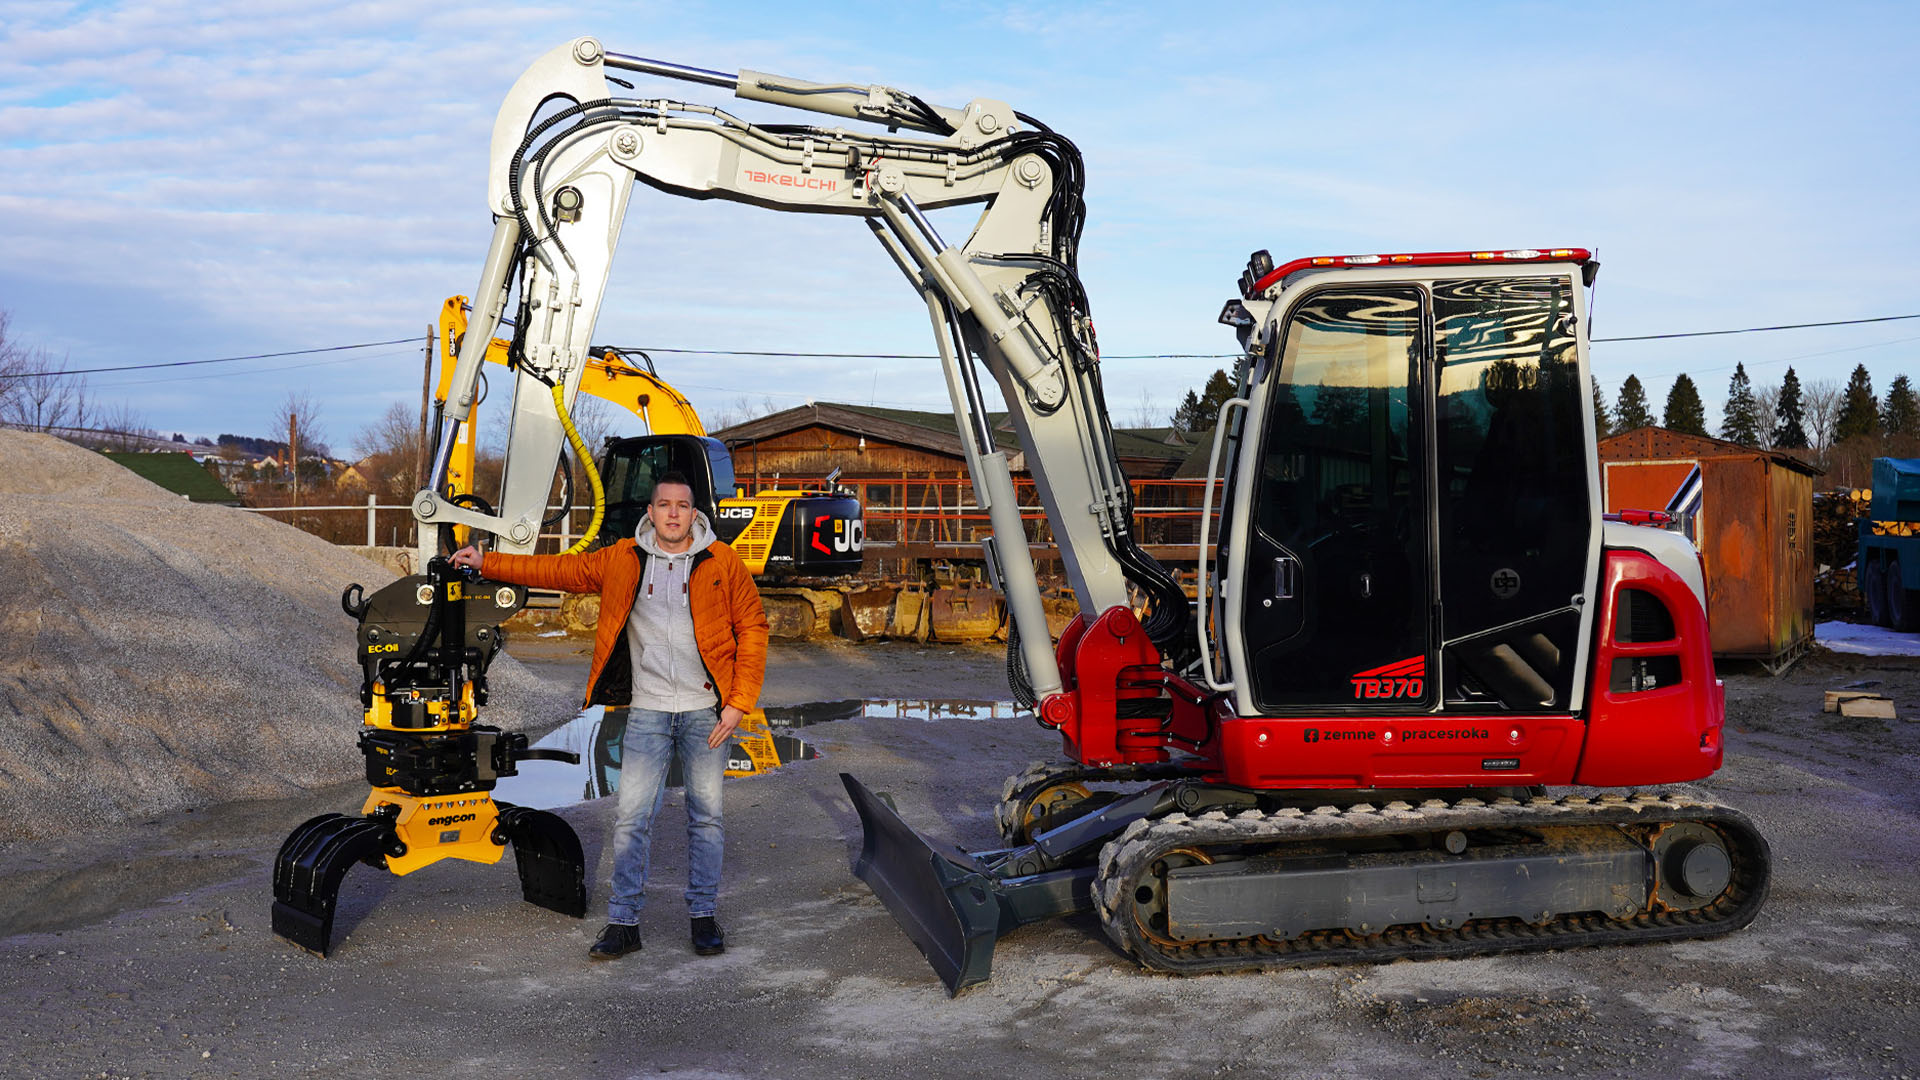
[[186, 180]]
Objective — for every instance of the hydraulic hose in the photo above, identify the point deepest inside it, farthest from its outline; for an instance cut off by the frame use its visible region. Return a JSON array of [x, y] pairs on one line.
[[586, 463]]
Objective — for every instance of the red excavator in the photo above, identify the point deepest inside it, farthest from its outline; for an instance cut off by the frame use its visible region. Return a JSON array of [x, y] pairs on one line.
[[1415, 620]]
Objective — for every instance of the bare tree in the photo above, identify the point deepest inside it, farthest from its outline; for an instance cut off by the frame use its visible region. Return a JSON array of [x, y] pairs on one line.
[[1822, 398], [1766, 407], [743, 409], [1147, 412], [123, 427], [35, 391], [387, 449], [299, 415], [596, 420], [298, 418]]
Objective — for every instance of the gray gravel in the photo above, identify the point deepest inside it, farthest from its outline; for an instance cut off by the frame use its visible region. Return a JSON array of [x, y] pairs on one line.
[[155, 960], [156, 654]]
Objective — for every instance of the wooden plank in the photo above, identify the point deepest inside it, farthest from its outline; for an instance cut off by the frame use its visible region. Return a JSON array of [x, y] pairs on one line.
[[1870, 706]]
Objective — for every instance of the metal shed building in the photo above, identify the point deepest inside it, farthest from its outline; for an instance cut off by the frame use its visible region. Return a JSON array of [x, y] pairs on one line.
[[1754, 531]]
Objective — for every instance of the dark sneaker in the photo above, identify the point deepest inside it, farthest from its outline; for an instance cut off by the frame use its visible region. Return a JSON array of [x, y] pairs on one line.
[[707, 939], [617, 940]]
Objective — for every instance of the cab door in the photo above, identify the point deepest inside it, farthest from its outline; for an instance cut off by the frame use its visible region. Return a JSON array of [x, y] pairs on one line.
[[1334, 579]]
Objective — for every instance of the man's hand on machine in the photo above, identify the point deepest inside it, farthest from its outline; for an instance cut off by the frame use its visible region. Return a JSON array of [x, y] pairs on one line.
[[468, 558], [730, 718]]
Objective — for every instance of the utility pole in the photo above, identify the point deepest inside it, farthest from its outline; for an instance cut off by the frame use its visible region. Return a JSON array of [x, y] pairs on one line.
[[293, 450], [426, 392]]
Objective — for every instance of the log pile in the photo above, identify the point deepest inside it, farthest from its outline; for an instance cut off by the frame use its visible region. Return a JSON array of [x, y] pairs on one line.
[[1836, 541]]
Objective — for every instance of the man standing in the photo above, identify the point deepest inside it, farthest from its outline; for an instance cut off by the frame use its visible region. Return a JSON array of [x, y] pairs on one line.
[[683, 639]]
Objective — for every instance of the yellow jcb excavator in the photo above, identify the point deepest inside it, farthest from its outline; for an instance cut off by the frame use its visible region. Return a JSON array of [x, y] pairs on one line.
[[798, 532]]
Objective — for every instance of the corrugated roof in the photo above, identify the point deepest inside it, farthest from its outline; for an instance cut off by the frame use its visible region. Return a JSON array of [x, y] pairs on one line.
[[178, 473], [940, 434], [1654, 443]]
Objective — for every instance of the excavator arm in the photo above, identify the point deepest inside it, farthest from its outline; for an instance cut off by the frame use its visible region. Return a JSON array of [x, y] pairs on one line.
[[1007, 301]]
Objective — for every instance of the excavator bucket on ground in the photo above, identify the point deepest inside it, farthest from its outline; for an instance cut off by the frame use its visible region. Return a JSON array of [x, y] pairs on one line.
[[953, 906]]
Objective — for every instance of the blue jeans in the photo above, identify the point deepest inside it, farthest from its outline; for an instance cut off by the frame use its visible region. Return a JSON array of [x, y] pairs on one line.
[[652, 740]]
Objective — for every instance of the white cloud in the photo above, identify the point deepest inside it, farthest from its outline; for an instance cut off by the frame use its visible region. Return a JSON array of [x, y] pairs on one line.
[[182, 180]]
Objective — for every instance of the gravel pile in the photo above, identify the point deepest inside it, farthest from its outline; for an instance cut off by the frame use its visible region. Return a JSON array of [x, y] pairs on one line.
[[156, 654]]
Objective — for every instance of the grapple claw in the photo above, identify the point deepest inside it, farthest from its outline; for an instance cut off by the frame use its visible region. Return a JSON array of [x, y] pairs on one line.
[[307, 873], [553, 872]]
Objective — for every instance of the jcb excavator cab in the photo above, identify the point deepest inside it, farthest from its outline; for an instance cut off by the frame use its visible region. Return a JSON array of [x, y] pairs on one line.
[[630, 467], [799, 533]]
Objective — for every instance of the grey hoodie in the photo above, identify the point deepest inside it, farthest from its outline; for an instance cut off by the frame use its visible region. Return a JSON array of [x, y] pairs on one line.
[[668, 674]]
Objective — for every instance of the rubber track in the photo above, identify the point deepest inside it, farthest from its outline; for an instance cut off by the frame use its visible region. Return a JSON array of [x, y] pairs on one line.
[[1126, 858]]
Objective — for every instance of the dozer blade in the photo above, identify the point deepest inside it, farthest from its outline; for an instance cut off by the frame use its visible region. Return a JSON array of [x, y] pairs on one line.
[[553, 873], [307, 873], [949, 904]]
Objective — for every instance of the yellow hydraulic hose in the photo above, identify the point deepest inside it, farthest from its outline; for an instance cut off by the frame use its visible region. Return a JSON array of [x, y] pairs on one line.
[[586, 462]]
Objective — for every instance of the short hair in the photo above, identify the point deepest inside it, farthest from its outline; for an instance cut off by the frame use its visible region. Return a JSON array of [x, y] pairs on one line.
[[671, 476]]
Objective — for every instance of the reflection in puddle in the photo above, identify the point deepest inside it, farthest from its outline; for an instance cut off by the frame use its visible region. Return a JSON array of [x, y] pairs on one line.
[[762, 743]]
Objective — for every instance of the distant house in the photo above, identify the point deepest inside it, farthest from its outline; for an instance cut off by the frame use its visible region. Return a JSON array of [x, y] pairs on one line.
[[179, 473]]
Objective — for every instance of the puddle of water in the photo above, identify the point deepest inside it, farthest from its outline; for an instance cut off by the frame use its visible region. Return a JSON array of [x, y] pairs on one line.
[[764, 742]]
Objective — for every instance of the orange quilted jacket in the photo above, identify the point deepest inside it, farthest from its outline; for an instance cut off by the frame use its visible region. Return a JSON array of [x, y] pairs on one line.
[[729, 625]]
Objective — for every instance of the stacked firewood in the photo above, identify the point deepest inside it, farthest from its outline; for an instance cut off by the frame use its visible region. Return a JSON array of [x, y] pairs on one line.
[[1836, 541]]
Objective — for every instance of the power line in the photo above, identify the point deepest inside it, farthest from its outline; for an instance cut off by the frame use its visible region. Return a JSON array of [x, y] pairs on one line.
[[1757, 329], [879, 356], [908, 356], [221, 360]]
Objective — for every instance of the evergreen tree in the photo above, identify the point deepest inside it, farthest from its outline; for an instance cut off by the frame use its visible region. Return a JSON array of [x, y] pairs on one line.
[[1685, 412], [1198, 411], [1740, 421], [1859, 411], [1790, 430], [1187, 417], [1602, 423], [1900, 412], [1630, 410]]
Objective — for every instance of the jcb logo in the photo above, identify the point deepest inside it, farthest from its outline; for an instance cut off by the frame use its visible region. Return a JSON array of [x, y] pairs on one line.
[[737, 513], [846, 535]]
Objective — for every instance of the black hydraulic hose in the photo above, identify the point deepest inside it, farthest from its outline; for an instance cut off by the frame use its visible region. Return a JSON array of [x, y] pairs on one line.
[[1018, 680]]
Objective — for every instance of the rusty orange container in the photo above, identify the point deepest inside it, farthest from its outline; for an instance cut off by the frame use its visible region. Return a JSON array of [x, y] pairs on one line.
[[1754, 531]]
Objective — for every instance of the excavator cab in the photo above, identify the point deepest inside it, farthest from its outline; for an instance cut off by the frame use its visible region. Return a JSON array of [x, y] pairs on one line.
[[1411, 515], [630, 467]]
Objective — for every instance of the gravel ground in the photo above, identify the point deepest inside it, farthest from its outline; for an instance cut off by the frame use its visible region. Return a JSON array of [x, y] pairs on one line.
[[144, 951]]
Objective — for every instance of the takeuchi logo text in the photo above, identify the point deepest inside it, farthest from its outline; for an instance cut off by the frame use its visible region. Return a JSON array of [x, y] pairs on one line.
[[786, 180]]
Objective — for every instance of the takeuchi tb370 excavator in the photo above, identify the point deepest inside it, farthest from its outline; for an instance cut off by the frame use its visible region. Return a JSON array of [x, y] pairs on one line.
[[1413, 616]]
